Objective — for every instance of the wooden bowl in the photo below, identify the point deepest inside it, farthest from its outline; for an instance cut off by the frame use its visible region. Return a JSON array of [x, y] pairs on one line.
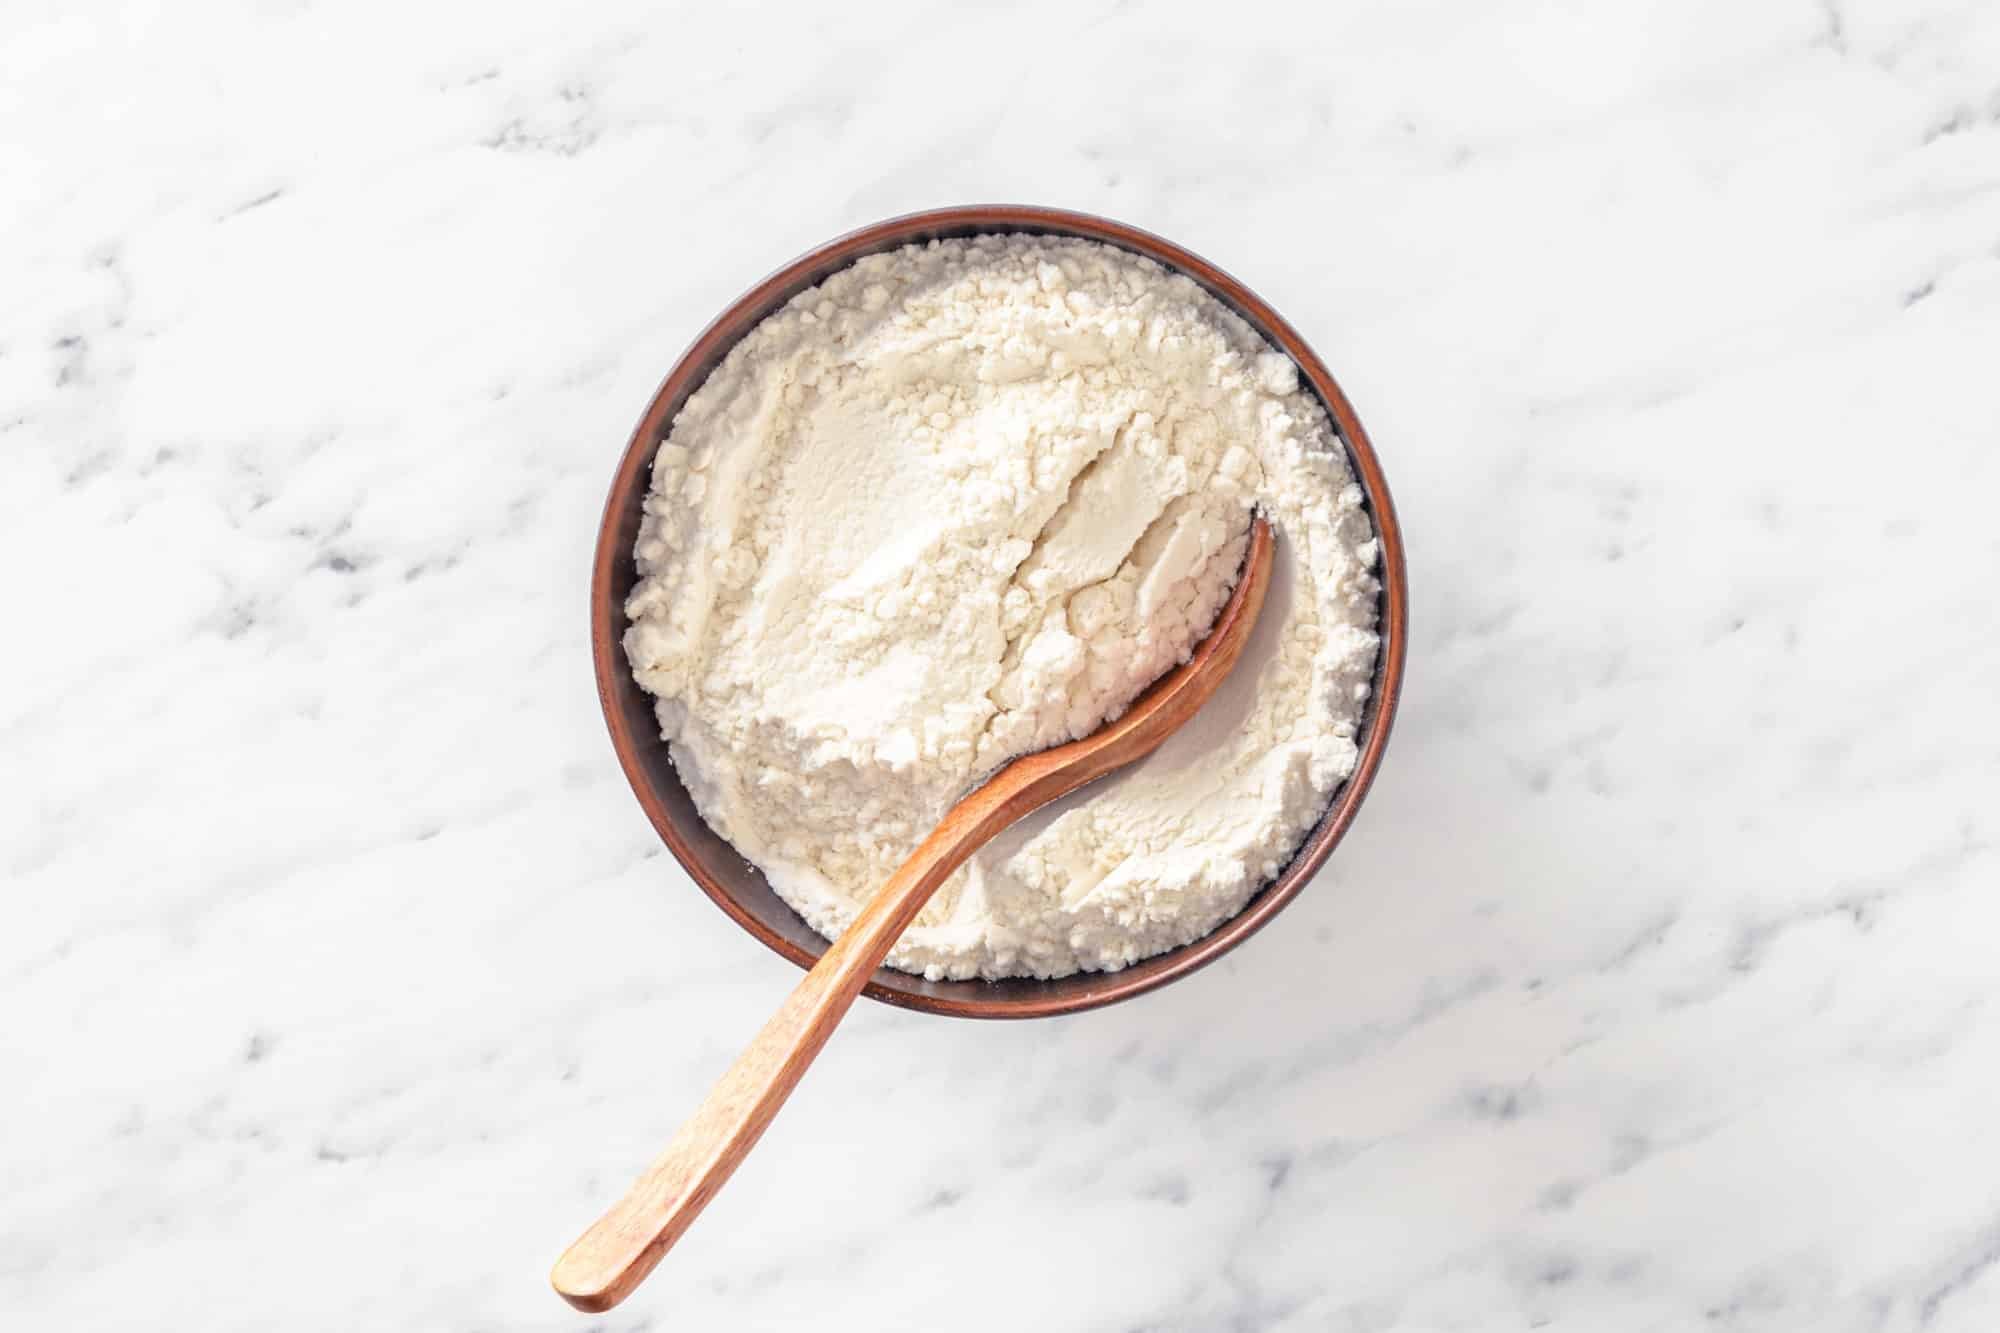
[[739, 888]]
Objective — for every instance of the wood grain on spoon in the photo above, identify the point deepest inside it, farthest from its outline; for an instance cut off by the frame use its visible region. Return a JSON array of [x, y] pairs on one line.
[[620, 1248]]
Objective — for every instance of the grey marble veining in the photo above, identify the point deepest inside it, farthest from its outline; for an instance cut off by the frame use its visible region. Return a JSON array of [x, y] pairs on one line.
[[1654, 989]]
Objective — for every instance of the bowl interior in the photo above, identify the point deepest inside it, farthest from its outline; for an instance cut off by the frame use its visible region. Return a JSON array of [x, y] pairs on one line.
[[738, 887]]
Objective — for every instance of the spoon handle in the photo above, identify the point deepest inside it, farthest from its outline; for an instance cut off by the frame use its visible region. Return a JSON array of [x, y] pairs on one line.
[[620, 1248]]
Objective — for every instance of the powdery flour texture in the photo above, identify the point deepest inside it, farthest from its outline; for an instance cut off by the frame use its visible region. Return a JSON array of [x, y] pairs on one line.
[[964, 501]]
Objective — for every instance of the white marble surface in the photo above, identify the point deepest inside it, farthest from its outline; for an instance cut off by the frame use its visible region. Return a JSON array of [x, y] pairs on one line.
[[1656, 987]]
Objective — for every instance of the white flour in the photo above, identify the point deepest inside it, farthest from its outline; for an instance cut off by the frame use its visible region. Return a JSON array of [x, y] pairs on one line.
[[965, 501]]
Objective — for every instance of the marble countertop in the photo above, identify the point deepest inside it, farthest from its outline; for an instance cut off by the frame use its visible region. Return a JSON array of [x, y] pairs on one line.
[[1655, 987]]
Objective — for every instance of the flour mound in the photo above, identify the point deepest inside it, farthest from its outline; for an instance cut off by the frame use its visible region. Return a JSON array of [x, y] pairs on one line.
[[965, 501]]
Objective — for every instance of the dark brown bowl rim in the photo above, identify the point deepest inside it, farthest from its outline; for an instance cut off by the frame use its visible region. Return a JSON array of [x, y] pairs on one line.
[[1014, 998]]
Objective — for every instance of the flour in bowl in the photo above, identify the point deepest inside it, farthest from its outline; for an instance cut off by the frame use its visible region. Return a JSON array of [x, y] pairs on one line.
[[965, 501]]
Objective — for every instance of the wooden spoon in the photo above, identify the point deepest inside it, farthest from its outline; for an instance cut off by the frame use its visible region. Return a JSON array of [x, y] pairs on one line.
[[617, 1252]]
